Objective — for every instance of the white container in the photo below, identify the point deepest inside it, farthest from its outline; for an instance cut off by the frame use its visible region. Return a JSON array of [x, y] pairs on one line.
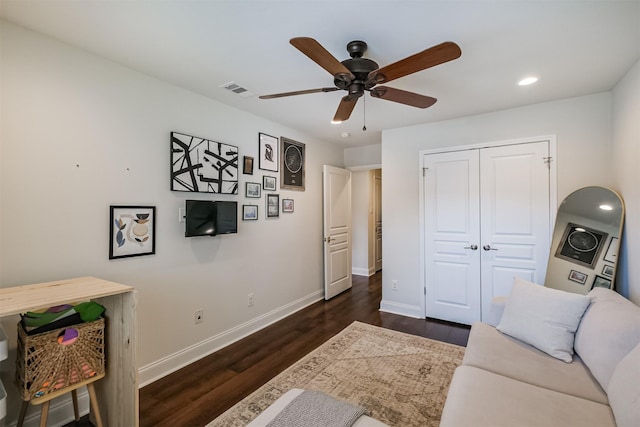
[[4, 346], [4, 352]]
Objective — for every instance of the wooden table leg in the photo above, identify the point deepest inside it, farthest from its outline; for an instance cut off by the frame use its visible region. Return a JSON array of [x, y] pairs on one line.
[[23, 412], [94, 404], [45, 413], [74, 397]]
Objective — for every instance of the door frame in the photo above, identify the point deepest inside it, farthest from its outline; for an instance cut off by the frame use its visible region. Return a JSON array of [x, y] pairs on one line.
[[553, 193]]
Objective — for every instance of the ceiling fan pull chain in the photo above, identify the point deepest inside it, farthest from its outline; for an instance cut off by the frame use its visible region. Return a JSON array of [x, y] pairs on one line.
[[364, 113]]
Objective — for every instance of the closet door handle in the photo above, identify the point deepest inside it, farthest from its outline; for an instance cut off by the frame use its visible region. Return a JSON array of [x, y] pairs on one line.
[[472, 247], [488, 248]]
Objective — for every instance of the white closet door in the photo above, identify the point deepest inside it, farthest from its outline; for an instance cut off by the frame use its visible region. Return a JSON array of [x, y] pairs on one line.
[[515, 224], [452, 227]]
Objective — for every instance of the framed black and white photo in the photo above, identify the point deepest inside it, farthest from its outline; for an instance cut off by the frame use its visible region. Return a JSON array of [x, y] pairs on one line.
[[269, 183], [581, 245], [273, 205], [203, 166], [287, 205], [607, 270], [292, 159], [252, 190], [578, 277], [249, 212], [132, 231], [268, 146], [601, 282], [247, 165]]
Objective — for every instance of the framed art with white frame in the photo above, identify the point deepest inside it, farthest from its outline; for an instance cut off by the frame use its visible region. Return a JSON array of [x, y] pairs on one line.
[[273, 205], [268, 159], [287, 205], [269, 183], [132, 231], [252, 190], [249, 212]]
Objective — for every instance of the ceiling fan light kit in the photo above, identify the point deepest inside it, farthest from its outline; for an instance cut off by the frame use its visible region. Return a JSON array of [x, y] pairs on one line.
[[358, 74]]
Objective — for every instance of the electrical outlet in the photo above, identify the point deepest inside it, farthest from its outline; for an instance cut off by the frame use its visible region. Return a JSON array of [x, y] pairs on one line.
[[198, 316], [250, 298], [394, 285]]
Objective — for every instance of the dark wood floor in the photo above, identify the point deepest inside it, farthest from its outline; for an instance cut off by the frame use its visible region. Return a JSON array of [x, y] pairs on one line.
[[198, 393]]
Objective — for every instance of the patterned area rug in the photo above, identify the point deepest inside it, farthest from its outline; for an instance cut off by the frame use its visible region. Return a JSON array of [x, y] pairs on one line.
[[401, 379]]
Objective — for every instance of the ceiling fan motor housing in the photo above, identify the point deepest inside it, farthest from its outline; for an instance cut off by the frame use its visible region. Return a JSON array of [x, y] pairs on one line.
[[360, 67]]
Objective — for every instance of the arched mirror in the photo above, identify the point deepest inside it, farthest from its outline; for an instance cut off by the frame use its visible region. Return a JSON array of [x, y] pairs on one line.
[[586, 239]]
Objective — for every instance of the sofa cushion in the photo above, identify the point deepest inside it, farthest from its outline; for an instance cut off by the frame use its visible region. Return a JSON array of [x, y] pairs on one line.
[[609, 330], [543, 317], [493, 351], [480, 398], [624, 390]]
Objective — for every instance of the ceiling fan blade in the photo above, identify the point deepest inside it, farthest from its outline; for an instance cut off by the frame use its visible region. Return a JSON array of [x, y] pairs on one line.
[[321, 56], [344, 109], [298, 92], [402, 96], [433, 56]]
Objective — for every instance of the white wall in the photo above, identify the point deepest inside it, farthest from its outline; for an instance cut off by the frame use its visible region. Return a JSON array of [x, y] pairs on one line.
[[368, 155], [80, 133], [360, 216], [583, 129], [626, 174]]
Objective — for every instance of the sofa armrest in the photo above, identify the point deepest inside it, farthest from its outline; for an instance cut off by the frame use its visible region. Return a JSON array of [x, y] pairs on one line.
[[495, 311]]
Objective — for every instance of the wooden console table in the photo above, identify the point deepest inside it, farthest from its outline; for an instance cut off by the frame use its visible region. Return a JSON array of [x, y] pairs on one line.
[[118, 391]]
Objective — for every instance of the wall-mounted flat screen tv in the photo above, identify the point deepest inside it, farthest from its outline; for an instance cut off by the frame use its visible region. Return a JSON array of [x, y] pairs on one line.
[[208, 218]]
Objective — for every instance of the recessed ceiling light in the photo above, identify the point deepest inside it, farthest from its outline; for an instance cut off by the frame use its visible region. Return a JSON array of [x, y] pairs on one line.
[[527, 81], [345, 134], [606, 207]]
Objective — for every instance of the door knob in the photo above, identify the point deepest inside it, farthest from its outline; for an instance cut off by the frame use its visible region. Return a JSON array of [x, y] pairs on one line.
[[488, 248], [472, 247]]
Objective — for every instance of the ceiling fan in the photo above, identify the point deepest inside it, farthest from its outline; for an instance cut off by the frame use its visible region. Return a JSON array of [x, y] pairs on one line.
[[357, 74]]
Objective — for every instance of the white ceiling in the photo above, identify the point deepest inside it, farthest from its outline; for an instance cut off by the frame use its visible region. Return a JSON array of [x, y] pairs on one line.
[[575, 47]]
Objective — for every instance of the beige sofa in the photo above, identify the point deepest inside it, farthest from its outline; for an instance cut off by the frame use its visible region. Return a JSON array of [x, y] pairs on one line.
[[504, 382]]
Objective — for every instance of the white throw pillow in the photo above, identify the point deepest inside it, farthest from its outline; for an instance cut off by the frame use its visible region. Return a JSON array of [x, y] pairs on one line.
[[544, 318]]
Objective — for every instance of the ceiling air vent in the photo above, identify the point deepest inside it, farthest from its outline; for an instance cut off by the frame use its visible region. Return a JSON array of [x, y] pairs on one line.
[[237, 89]]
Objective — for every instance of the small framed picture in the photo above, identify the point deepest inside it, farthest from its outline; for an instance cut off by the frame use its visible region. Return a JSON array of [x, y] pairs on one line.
[[601, 282], [247, 165], [268, 146], [607, 270], [269, 183], [578, 277], [273, 205], [132, 231], [252, 190], [612, 251], [287, 205], [249, 212]]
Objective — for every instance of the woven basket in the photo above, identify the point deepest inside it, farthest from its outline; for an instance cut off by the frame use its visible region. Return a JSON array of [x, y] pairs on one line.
[[44, 365]]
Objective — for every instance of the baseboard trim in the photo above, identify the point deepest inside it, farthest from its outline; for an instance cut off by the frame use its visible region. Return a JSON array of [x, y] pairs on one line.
[[171, 363], [60, 411], [359, 271], [402, 309]]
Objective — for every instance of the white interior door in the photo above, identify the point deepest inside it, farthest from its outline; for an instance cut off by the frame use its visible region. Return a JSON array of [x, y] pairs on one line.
[[377, 191], [452, 212], [515, 225], [337, 230]]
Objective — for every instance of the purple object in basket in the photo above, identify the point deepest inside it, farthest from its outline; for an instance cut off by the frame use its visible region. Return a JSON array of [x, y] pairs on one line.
[[59, 308], [69, 336]]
